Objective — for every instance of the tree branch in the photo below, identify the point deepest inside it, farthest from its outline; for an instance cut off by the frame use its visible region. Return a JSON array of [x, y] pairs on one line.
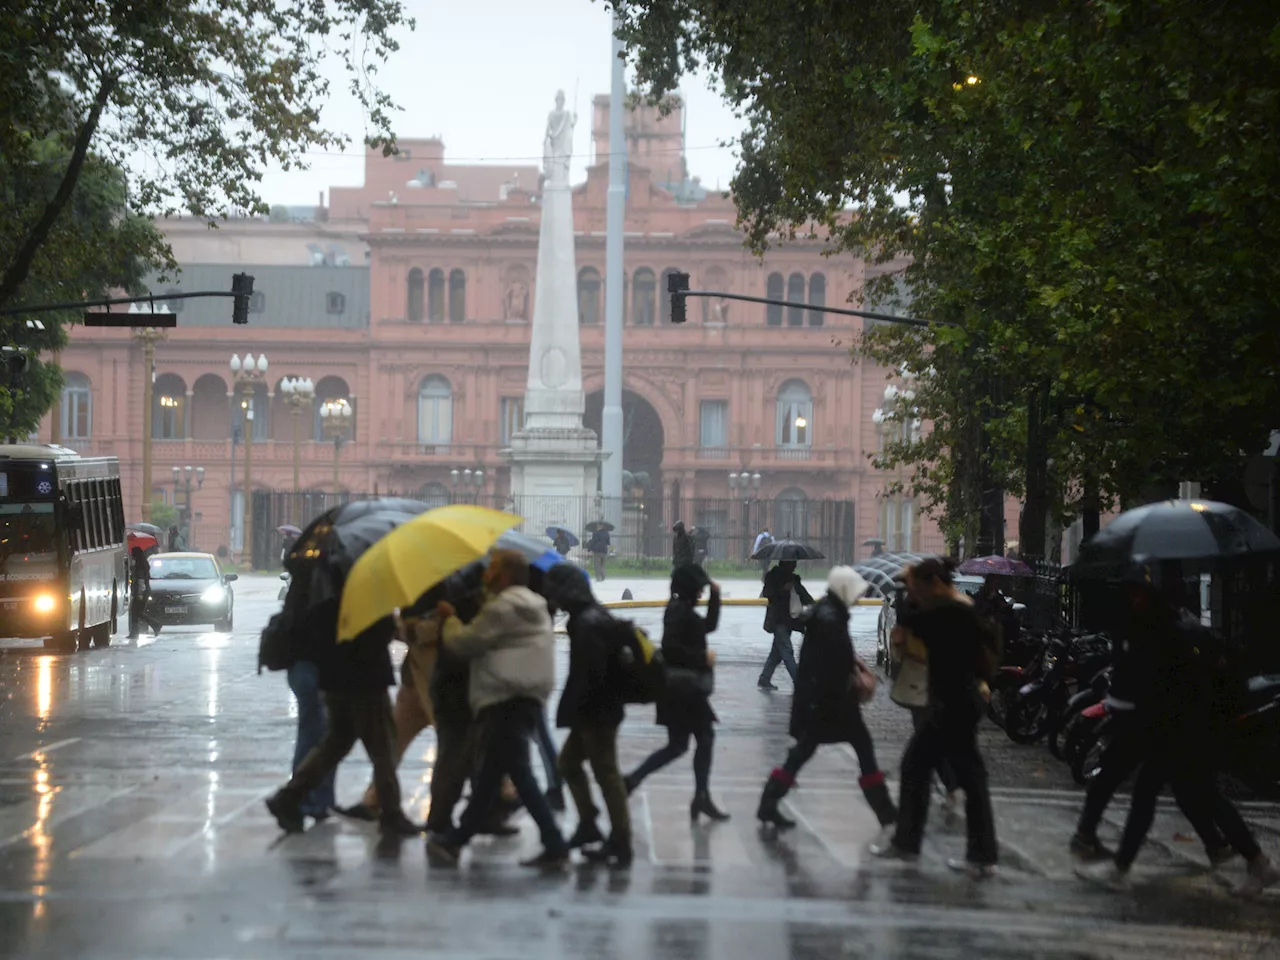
[[16, 272]]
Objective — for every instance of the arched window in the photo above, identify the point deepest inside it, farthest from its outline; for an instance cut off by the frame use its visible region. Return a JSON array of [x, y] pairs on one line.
[[435, 411], [210, 409], [77, 408], [791, 514], [774, 291], [817, 297], [261, 414], [332, 390], [434, 494], [588, 296], [414, 309], [169, 408], [643, 292], [795, 415], [795, 294], [664, 298], [457, 296], [435, 296]]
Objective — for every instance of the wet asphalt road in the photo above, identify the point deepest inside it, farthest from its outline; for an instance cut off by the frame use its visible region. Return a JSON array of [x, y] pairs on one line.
[[131, 825]]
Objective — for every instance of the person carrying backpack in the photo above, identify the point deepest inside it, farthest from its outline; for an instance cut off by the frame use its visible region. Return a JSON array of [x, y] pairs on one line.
[[591, 709]]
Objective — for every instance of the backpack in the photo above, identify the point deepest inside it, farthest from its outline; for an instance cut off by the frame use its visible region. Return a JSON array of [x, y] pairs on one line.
[[636, 668]]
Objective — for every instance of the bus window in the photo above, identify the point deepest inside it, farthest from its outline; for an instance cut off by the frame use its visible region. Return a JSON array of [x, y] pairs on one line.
[[117, 509], [77, 532], [95, 513], [100, 501]]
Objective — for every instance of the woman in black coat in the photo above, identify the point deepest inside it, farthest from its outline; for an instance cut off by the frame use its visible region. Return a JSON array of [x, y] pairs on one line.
[[825, 708], [685, 707]]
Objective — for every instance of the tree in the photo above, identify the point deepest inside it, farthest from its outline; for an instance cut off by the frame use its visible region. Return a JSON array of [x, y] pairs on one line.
[[193, 99], [1086, 189]]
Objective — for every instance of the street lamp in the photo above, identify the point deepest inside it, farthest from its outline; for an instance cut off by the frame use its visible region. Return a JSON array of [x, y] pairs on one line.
[[298, 394], [747, 483], [336, 418], [469, 480], [148, 337], [247, 374], [183, 475]]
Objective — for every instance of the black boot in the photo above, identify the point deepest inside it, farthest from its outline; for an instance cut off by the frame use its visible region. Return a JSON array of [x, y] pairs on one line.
[[587, 834], [775, 788], [877, 794], [702, 805]]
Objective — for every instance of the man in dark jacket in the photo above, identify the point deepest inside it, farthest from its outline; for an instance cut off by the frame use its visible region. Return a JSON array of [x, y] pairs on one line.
[[787, 598], [591, 708], [598, 547], [681, 546]]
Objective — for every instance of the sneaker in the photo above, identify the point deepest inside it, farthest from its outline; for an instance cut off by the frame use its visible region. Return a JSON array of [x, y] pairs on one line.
[[888, 850], [1262, 874], [548, 860], [766, 685], [1219, 854], [587, 834], [442, 852], [399, 827], [358, 811], [1090, 849], [975, 870], [1107, 875], [288, 815], [612, 852]]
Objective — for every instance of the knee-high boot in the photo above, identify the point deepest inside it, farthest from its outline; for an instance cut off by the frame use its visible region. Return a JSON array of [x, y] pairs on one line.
[[877, 794], [775, 788]]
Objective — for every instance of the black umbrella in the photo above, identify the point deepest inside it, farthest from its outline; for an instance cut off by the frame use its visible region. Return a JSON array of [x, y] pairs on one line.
[[1177, 530], [595, 525], [150, 528], [332, 543], [787, 550]]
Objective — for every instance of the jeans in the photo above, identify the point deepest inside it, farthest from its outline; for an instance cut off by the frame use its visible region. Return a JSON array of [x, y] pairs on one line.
[[363, 715], [677, 745], [547, 748], [953, 739], [781, 652], [504, 749], [304, 679], [599, 746]]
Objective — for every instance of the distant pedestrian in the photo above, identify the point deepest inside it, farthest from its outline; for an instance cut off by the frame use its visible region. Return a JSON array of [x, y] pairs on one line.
[[591, 708], [959, 648], [787, 598], [681, 546], [561, 543], [176, 542], [511, 644], [701, 537], [763, 539], [139, 591], [685, 708], [598, 547], [826, 707]]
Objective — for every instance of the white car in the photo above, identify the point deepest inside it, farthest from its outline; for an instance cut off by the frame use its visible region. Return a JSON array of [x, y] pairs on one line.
[[889, 617]]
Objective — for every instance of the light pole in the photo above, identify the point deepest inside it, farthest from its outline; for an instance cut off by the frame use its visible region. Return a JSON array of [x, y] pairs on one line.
[[148, 337], [298, 394], [746, 482], [336, 419], [469, 479], [247, 375], [183, 475]]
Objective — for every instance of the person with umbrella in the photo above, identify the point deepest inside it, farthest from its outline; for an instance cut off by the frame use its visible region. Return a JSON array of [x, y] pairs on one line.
[[787, 598], [598, 546], [560, 540], [685, 707], [139, 582]]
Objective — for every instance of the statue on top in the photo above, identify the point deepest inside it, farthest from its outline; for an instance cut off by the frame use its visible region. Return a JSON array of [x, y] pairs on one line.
[[557, 145]]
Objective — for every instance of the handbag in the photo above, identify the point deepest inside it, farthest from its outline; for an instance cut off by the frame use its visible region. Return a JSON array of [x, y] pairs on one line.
[[911, 687], [681, 681], [863, 682]]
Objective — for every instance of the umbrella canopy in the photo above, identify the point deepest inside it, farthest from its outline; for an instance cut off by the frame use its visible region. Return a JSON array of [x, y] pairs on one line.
[[1177, 530], [405, 564], [554, 532], [288, 530], [150, 528], [534, 550], [142, 541], [994, 566], [787, 550], [595, 525]]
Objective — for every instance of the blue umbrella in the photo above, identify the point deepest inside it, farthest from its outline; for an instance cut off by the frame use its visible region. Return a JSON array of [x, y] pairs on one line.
[[553, 532]]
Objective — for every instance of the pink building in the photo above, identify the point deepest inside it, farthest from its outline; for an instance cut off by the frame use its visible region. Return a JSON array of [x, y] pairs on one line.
[[410, 299]]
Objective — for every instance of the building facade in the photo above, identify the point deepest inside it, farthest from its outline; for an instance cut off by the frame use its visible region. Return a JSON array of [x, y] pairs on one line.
[[409, 300]]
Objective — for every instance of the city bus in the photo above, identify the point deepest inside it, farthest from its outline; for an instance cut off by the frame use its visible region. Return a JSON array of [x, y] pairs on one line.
[[63, 557]]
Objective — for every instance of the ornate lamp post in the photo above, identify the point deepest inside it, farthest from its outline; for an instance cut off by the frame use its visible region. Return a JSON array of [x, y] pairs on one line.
[[747, 483], [336, 419], [183, 475], [247, 374], [470, 480], [148, 337], [298, 394]]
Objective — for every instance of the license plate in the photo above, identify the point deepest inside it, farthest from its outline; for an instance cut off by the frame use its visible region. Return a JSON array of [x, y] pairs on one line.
[[175, 609]]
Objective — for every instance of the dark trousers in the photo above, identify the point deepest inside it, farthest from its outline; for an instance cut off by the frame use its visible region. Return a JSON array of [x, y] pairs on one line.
[[859, 738], [455, 759], [944, 771], [547, 750], [953, 739], [677, 745], [503, 744], [304, 681], [782, 652], [597, 745], [597, 561], [364, 715]]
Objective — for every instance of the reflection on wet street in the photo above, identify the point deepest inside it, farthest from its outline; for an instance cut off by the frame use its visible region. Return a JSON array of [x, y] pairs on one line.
[[132, 826]]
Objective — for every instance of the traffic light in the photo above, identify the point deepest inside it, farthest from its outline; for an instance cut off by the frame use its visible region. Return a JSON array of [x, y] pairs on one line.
[[15, 363], [242, 287], [677, 283]]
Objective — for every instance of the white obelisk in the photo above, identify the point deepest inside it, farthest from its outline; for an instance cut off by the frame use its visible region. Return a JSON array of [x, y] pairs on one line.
[[555, 461]]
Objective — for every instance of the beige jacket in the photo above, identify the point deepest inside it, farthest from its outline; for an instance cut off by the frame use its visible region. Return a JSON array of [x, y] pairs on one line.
[[511, 646]]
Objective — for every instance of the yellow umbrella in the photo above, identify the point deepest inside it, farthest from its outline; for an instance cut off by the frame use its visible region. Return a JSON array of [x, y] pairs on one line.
[[413, 558]]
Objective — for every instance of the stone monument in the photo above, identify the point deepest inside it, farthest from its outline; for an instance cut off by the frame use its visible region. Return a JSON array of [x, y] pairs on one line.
[[555, 461]]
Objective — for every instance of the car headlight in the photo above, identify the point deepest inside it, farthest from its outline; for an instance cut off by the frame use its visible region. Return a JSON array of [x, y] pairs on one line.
[[45, 603], [215, 594]]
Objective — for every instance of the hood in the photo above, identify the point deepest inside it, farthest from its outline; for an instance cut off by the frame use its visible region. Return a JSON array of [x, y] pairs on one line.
[[678, 527], [568, 588], [847, 585], [687, 581], [524, 604]]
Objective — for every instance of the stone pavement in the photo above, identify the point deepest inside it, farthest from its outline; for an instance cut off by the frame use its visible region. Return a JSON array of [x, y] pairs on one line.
[[131, 825]]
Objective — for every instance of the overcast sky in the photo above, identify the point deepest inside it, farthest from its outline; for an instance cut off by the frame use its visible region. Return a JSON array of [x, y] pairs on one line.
[[483, 74]]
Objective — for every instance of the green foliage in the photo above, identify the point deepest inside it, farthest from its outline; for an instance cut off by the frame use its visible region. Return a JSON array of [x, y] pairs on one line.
[[163, 515], [1096, 210]]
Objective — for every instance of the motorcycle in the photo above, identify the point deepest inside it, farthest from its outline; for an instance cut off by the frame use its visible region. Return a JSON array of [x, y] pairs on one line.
[[1030, 712], [1063, 726]]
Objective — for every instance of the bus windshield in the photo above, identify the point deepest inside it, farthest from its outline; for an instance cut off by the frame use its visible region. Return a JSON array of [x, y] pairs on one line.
[[28, 534]]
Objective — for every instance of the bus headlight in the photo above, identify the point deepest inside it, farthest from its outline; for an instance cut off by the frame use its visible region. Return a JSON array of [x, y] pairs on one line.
[[215, 594], [45, 603]]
